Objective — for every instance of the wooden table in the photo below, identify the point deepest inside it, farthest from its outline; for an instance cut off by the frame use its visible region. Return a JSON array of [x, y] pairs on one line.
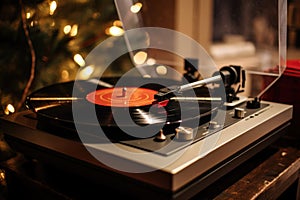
[[273, 173], [270, 179]]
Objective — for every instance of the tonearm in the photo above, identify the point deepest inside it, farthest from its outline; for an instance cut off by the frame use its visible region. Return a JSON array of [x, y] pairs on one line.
[[229, 75]]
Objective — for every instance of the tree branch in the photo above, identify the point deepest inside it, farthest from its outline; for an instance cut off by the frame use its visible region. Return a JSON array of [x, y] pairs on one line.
[[33, 58]]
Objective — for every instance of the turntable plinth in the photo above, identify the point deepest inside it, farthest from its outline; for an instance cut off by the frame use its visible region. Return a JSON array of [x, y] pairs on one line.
[[191, 173]]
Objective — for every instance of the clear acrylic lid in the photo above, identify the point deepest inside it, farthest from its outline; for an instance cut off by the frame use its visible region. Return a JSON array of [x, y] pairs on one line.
[[214, 34]]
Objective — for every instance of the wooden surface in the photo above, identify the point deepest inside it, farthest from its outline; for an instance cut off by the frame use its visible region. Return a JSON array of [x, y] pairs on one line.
[[268, 175], [273, 173], [269, 180]]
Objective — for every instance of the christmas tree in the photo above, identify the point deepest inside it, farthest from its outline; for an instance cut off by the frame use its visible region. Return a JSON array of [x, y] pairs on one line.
[[42, 42]]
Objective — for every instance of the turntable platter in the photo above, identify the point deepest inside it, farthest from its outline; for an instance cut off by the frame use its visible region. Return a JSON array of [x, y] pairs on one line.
[[53, 104]]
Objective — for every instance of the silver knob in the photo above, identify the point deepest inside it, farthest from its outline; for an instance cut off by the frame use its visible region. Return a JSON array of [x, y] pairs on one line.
[[184, 133], [239, 113], [213, 125]]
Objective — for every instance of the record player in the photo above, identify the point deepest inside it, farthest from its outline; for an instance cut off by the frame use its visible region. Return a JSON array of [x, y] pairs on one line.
[[158, 134]]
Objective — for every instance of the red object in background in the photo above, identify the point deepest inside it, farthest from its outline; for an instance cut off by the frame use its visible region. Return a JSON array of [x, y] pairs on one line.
[[293, 68], [286, 89]]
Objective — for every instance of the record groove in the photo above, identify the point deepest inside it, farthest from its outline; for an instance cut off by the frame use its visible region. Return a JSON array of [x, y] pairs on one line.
[[54, 103]]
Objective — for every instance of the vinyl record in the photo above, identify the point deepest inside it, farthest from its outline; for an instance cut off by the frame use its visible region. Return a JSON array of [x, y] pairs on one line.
[[53, 104]]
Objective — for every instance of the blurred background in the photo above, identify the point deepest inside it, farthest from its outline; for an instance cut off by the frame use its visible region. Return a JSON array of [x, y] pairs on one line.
[[44, 42]]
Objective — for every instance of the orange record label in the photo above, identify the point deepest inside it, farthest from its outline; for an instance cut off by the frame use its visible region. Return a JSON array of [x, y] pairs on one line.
[[122, 97]]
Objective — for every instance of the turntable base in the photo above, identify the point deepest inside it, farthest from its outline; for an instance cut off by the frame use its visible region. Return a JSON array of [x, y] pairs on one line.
[[186, 177]]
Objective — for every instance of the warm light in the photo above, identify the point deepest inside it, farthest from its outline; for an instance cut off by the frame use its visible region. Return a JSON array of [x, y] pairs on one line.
[[146, 76], [79, 60], [67, 29], [96, 15], [28, 15], [2, 175], [86, 72], [140, 57], [64, 74], [74, 30], [9, 109], [114, 31], [117, 23], [151, 61], [161, 70], [53, 7], [72, 65], [136, 7]]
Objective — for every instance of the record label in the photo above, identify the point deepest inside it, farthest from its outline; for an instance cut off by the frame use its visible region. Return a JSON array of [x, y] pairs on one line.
[[122, 97]]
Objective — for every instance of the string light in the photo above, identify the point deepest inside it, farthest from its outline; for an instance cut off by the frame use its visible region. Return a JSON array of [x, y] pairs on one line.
[[86, 72], [140, 57], [2, 175], [9, 109], [114, 31], [28, 15], [74, 30], [151, 61], [161, 70], [136, 7], [65, 74], [117, 23], [79, 60], [53, 6], [67, 29]]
